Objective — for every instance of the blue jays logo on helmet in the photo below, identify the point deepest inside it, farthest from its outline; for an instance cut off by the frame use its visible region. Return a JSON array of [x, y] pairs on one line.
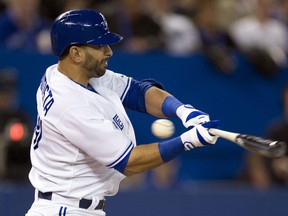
[[81, 26], [105, 25]]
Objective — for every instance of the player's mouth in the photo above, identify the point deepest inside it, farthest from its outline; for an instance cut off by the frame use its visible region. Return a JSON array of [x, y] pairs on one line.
[[105, 63]]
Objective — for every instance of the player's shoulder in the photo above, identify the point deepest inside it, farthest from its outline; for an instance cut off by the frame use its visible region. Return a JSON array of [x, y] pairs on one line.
[[110, 79], [109, 75], [66, 92]]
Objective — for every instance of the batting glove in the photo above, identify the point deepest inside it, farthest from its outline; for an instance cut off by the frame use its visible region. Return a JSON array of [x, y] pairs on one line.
[[190, 116], [199, 135]]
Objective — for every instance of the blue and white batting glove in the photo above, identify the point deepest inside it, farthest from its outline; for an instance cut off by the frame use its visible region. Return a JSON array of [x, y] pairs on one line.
[[199, 135], [190, 116]]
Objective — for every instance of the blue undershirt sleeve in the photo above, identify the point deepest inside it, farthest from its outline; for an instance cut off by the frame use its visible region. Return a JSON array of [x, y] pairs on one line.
[[135, 97]]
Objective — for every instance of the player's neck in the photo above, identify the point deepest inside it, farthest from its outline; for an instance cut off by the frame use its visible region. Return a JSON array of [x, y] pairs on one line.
[[72, 73]]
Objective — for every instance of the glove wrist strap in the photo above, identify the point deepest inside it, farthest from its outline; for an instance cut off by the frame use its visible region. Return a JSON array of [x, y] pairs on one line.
[[185, 138]]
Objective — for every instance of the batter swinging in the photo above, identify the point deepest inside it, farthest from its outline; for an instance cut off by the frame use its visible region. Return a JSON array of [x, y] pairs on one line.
[[84, 143]]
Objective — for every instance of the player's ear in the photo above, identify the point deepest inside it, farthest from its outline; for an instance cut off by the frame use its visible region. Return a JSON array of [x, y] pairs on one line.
[[76, 53]]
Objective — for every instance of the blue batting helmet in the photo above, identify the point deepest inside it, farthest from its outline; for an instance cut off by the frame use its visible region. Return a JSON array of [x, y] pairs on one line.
[[81, 26]]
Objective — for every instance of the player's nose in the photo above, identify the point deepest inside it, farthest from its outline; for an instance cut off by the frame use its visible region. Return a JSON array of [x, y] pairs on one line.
[[108, 51]]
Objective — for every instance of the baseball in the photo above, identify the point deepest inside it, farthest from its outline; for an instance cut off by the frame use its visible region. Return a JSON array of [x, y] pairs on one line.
[[163, 128]]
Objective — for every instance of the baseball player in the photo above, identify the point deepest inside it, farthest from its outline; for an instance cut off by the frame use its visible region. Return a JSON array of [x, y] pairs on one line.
[[84, 143]]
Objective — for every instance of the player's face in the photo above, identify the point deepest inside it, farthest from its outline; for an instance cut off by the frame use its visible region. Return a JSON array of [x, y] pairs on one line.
[[96, 60]]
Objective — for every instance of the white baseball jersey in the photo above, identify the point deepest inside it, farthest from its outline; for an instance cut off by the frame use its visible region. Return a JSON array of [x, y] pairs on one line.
[[80, 135]]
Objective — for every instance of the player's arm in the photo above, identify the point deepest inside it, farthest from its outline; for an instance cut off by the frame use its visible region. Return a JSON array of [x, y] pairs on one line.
[[162, 104], [154, 98], [142, 158], [148, 96], [148, 156]]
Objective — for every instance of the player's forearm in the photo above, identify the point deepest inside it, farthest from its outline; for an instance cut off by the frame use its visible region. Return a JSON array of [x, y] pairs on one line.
[[149, 156], [162, 104], [143, 157], [154, 98], [146, 157]]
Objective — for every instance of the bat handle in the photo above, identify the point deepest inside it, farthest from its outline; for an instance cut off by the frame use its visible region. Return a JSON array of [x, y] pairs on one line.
[[224, 134]]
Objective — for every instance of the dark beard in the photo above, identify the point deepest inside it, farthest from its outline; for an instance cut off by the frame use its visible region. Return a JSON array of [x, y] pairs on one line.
[[93, 66]]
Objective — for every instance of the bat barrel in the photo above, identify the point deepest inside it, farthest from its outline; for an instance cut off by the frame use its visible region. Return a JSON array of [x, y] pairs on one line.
[[258, 145], [266, 147]]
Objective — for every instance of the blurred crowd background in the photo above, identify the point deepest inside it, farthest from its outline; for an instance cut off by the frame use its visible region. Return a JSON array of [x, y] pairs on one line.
[[258, 29]]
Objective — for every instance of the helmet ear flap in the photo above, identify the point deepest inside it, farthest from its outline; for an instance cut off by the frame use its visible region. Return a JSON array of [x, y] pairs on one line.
[[80, 26]]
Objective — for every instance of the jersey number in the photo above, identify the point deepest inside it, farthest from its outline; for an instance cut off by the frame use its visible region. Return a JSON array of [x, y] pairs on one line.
[[37, 133]]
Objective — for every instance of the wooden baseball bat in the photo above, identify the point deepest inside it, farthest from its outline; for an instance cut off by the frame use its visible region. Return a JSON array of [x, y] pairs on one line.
[[258, 145]]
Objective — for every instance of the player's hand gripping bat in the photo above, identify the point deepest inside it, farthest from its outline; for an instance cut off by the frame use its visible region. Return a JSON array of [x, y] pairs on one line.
[[258, 145]]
